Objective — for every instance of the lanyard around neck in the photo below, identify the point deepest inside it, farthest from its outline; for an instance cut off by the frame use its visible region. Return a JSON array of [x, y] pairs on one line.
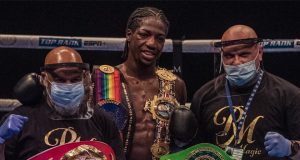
[[241, 122]]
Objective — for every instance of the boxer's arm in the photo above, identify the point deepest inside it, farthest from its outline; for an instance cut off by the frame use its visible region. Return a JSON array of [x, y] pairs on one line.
[[180, 89]]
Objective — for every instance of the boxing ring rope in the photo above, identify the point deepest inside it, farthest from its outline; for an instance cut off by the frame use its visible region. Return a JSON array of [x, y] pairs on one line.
[[117, 44]]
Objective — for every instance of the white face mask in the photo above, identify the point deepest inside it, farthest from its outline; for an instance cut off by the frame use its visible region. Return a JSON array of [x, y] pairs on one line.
[[239, 75]]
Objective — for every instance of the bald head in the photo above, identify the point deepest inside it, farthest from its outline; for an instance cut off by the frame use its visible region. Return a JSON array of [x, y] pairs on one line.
[[238, 32], [63, 55]]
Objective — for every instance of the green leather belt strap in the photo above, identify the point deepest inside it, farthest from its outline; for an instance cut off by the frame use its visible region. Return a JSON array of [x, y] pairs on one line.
[[202, 151]]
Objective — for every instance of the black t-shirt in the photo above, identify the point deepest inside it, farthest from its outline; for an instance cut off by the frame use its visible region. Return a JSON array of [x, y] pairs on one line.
[[275, 107], [41, 133]]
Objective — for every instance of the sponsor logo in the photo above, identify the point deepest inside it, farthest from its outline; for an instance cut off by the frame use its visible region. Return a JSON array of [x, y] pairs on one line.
[[94, 43], [297, 43], [177, 69], [55, 42], [8, 40], [279, 44]]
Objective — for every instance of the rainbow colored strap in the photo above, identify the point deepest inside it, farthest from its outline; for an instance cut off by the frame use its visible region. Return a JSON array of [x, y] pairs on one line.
[[108, 86]]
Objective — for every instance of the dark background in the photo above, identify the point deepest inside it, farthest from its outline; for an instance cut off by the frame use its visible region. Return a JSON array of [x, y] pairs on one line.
[[189, 20]]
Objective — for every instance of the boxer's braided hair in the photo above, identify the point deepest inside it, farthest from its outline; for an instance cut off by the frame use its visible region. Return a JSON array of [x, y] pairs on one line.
[[136, 17]]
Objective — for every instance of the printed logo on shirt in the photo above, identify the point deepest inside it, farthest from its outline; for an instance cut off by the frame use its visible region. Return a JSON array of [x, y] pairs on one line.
[[60, 136], [227, 136]]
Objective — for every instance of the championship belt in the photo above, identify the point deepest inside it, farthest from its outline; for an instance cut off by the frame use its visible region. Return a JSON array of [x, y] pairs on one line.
[[161, 108], [77, 150], [202, 151], [107, 91]]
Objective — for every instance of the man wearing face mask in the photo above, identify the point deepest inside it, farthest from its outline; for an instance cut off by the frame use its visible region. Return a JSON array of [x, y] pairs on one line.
[[248, 112], [66, 114]]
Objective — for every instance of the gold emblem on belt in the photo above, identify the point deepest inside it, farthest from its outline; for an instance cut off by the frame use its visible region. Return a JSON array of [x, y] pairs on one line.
[[161, 108]]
